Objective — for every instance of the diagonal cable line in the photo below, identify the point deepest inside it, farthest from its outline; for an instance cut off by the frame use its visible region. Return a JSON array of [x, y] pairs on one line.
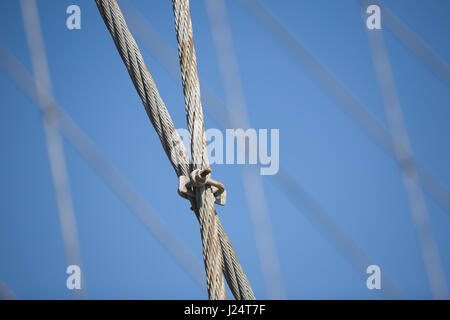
[[251, 179], [415, 44], [86, 147], [296, 193], [53, 140], [346, 100], [404, 155], [317, 216]]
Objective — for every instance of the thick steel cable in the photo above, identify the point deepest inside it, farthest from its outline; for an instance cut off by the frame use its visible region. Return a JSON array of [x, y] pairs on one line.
[[232, 269], [144, 84], [176, 153], [204, 206]]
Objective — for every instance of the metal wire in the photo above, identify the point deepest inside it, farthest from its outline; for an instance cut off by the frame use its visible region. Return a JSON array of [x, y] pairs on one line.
[[162, 122], [294, 191], [204, 207]]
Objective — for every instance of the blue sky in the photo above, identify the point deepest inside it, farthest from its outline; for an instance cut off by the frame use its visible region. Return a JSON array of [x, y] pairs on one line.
[[339, 165]]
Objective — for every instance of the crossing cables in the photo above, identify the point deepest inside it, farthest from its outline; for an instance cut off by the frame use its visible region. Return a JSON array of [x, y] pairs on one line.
[[218, 254]]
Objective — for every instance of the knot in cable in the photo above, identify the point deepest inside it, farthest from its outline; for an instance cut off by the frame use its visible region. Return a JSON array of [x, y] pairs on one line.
[[197, 179]]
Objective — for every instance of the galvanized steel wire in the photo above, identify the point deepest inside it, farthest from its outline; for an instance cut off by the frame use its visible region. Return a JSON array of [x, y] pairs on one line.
[[219, 255]]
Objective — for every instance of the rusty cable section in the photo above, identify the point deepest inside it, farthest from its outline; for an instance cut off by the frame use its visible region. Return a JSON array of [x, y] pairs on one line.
[[218, 253], [204, 204]]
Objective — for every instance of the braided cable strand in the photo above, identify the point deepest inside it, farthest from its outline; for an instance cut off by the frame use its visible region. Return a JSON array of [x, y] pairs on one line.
[[222, 250], [234, 274], [144, 84], [204, 207], [190, 81]]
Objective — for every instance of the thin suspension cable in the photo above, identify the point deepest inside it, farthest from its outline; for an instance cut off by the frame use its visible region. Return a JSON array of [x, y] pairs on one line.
[[414, 43], [296, 193], [253, 186], [346, 100], [313, 211], [403, 152], [53, 140], [114, 179]]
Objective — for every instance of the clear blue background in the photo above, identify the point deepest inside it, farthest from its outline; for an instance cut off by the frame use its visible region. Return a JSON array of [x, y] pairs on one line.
[[352, 178]]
